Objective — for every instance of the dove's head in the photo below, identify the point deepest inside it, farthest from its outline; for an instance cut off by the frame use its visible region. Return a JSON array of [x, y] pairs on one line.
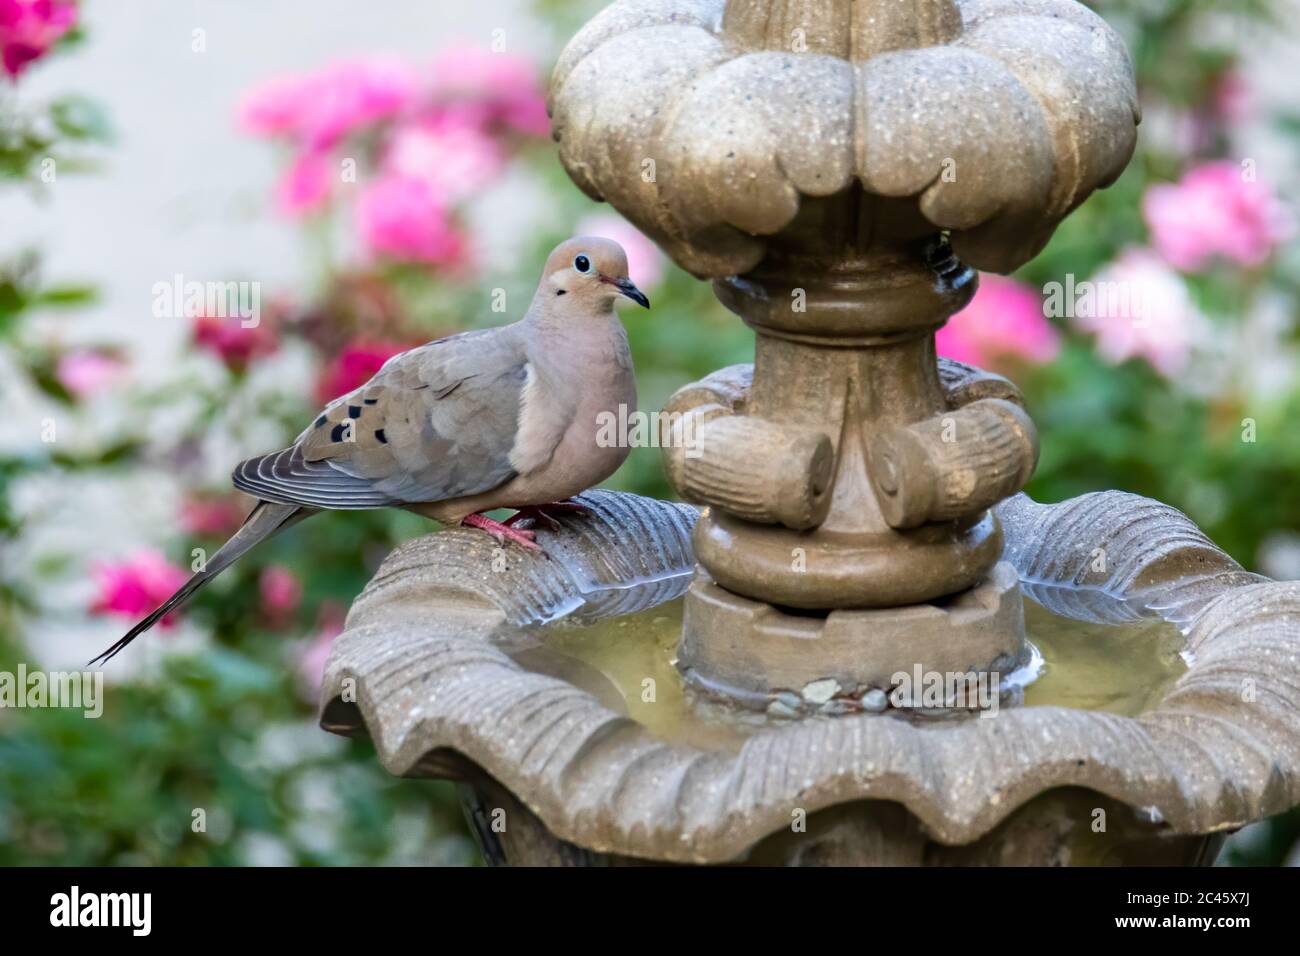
[[589, 271]]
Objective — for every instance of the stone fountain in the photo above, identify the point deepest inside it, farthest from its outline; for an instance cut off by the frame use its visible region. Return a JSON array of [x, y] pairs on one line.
[[838, 169]]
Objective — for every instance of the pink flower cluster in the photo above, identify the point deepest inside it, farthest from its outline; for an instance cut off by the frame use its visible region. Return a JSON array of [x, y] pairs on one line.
[[314, 653], [439, 138], [492, 89], [230, 341], [281, 594], [213, 515], [136, 586], [403, 218], [353, 367], [1216, 212], [87, 372], [1003, 322], [317, 110], [1154, 320], [28, 28]]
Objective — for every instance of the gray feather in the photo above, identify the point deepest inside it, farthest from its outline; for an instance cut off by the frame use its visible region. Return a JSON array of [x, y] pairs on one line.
[[435, 423]]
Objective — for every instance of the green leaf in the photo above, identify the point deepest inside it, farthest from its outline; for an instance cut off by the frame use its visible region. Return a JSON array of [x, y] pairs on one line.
[[66, 296], [80, 118]]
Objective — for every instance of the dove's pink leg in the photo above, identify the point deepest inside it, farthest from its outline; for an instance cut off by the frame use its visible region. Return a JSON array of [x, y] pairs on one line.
[[503, 532], [541, 513]]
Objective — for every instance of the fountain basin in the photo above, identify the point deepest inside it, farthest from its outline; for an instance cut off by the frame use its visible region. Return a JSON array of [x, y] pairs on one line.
[[430, 666]]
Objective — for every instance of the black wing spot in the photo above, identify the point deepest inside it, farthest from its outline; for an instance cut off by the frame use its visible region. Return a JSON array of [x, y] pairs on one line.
[[339, 429], [371, 401], [320, 421], [354, 411], [383, 439], [562, 292]]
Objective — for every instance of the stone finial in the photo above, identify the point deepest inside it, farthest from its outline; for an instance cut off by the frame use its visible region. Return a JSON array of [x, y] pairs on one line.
[[991, 118], [849, 29]]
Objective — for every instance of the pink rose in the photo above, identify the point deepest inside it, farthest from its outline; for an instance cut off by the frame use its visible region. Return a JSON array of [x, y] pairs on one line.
[[28, 28], [275, 108], [353, 367], [499, 88], [316, 651], [404, 218], [449, 152], [319, 109], [306, 184], [214, 516], [280, 590], [136, 586], [645, 263], [1215, 212], [230, 341], [1004, 321], [84, 372], [1142, 309], [1232, 100]]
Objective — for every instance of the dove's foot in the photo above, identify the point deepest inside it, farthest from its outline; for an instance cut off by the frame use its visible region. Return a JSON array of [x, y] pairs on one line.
[[542, 514], [503, 532]]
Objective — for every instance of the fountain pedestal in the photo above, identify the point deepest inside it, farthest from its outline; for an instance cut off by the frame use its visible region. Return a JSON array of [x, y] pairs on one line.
[[823, 164], [856, 564]]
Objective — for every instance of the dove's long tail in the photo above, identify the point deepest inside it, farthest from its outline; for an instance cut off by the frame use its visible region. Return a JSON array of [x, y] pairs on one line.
[[262, 522]]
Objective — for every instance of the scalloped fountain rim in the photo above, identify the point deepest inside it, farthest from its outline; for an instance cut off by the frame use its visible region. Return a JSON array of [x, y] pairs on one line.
[[1220, 750]]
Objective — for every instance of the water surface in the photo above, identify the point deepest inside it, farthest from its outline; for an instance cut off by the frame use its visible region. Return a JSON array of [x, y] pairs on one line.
[[628, 663]]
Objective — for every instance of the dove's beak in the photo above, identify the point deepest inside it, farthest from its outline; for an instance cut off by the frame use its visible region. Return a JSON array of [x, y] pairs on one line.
[[626, 287]]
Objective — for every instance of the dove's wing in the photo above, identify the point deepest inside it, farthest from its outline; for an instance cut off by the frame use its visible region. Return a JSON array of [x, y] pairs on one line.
[[435, 423]]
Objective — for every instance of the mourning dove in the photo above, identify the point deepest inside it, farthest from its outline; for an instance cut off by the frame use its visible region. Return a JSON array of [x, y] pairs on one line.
[[507, 417]]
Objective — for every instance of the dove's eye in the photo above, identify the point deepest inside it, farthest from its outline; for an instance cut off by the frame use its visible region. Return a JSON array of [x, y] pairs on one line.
[[582, 264]]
